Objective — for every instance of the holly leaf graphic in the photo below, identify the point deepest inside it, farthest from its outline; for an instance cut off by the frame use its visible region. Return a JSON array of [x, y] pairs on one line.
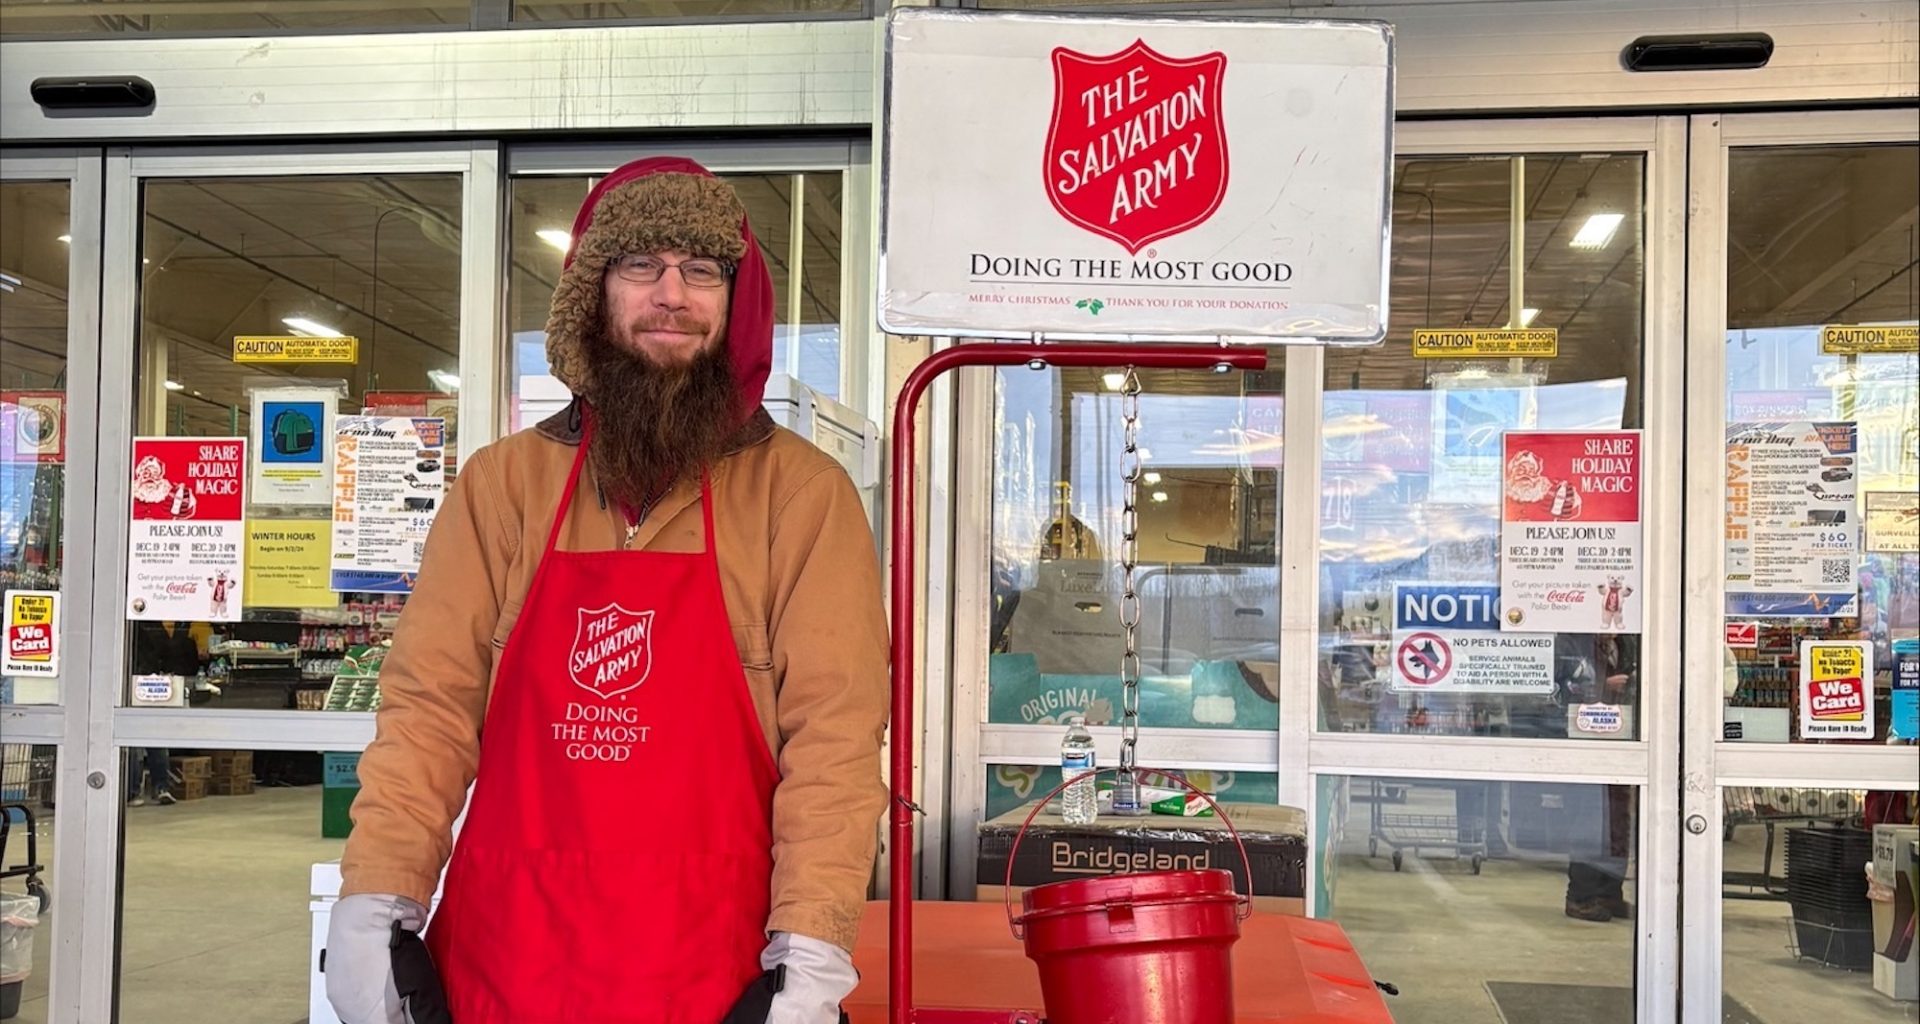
[[1093, 306]]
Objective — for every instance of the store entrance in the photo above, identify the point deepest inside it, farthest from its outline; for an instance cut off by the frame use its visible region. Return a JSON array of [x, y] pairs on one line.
[[1610, 833], [1704, 275], [274, 319]]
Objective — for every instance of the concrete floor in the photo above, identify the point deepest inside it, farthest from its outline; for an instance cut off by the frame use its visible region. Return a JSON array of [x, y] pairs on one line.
[[1441, 933], [217, 927], [215, 920]]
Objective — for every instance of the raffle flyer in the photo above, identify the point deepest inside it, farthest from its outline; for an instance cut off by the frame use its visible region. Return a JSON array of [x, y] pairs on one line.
[[1570, 558], [1836, 690], [33, 633], [1793, 528], [186, 548], [389, 480]]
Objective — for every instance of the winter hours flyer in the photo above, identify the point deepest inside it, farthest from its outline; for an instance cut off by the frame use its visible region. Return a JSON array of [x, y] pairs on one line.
[[1570, 532], [186, 548]]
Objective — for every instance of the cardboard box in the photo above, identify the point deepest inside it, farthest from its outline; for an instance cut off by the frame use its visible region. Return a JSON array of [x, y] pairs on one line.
[[230, 785], [230, 763], [193, 768], [1054, 851], [191, 789]]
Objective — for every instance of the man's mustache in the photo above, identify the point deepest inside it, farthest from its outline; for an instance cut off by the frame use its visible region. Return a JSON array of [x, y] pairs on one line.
[[680, 323]]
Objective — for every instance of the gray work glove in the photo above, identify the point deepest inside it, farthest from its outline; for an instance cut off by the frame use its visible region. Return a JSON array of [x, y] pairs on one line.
[[819, 975], [359, 967]]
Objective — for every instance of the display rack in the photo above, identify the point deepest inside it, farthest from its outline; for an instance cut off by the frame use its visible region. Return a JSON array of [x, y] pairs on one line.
[[291, 658]]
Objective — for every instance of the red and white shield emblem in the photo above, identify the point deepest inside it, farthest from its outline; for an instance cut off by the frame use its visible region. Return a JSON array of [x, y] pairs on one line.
[[1137, 150], [612, 650]]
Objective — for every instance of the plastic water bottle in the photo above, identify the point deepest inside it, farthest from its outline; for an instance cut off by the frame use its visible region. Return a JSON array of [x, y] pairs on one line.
[[1079, 804]]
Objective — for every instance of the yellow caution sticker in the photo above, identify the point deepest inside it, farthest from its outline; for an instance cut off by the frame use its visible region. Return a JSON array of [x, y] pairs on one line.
[[1467, 343], [250, 348], [1869, 339]]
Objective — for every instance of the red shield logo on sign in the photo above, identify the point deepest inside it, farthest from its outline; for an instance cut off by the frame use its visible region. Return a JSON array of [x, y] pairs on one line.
[[612, 650], [1137, 150]]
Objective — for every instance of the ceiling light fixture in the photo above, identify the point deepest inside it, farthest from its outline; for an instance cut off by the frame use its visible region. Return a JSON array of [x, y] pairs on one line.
[[1114, 381], [174, 385], [1527, 315], [1159, 495], [555, 237], [443, 380], [67, 239], [1597, 231], [1151, 478], [310, 328]]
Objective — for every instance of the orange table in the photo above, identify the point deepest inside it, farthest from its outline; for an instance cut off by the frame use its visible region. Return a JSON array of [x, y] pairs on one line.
[[1287, 970]]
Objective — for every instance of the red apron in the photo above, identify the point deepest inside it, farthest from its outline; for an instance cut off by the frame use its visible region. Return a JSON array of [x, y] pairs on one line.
[[616, 857]]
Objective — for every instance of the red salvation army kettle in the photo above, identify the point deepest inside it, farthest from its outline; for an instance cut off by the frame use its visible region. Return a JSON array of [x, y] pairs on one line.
[[1149, 948]]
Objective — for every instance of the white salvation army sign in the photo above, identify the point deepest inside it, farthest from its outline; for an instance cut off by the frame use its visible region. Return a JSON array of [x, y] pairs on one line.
[[1119, 178]]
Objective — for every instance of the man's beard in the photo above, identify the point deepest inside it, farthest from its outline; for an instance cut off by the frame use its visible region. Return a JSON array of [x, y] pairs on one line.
[[655, 424]]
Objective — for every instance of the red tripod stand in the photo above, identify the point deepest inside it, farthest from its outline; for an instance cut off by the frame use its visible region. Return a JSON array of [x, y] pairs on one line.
[[1331, 983]]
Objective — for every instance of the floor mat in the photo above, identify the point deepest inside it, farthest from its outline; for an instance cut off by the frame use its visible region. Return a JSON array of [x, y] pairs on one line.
[[1523, 1002]]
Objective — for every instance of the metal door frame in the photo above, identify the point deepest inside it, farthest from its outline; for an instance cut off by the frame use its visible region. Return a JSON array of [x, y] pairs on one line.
[[109, 726], [65, 723], [1711, 763]]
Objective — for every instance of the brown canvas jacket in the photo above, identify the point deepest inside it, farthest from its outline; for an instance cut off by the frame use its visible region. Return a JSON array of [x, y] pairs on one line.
[[801, 581]]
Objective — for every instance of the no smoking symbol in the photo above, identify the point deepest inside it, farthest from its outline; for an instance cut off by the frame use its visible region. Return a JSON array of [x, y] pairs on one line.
[[1425, 658]]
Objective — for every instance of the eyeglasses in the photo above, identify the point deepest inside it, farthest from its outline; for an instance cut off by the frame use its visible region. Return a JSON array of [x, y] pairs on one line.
[[699, 272]]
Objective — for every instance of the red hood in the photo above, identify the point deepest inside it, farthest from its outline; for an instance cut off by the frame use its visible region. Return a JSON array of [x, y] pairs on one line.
[[749, 315]]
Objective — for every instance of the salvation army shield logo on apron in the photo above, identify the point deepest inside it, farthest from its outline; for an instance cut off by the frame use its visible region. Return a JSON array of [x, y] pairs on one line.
[[612, 650], [1137, 150]]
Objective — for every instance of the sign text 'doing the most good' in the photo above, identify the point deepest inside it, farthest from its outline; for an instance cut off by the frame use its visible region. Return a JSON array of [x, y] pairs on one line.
[[1101, 177]]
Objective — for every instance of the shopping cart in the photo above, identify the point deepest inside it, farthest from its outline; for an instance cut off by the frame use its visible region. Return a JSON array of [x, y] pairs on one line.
[[1464, 834], [30, 870]]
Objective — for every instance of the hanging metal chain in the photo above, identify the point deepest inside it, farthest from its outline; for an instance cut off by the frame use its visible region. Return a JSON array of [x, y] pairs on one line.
[[1126, 791]]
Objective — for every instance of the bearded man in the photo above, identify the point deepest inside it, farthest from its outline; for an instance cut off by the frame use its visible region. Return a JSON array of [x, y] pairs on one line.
[[649, 634]]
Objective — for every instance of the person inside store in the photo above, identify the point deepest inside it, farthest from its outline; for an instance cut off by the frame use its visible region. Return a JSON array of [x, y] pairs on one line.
[[162, 649], [1605, 669], [649, 633]]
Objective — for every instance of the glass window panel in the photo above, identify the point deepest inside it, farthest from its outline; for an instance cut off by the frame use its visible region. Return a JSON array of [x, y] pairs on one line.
[[1801, 919], [1209, 522], [34, 226], [103, 18], [1411, 456], [818, 321], [375, 258], [1820, 540], [1486, 902], [542, 212], [215, 886], [536, 12]]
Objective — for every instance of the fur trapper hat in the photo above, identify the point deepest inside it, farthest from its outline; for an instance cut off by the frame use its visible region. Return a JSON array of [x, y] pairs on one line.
[[653, 205]]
